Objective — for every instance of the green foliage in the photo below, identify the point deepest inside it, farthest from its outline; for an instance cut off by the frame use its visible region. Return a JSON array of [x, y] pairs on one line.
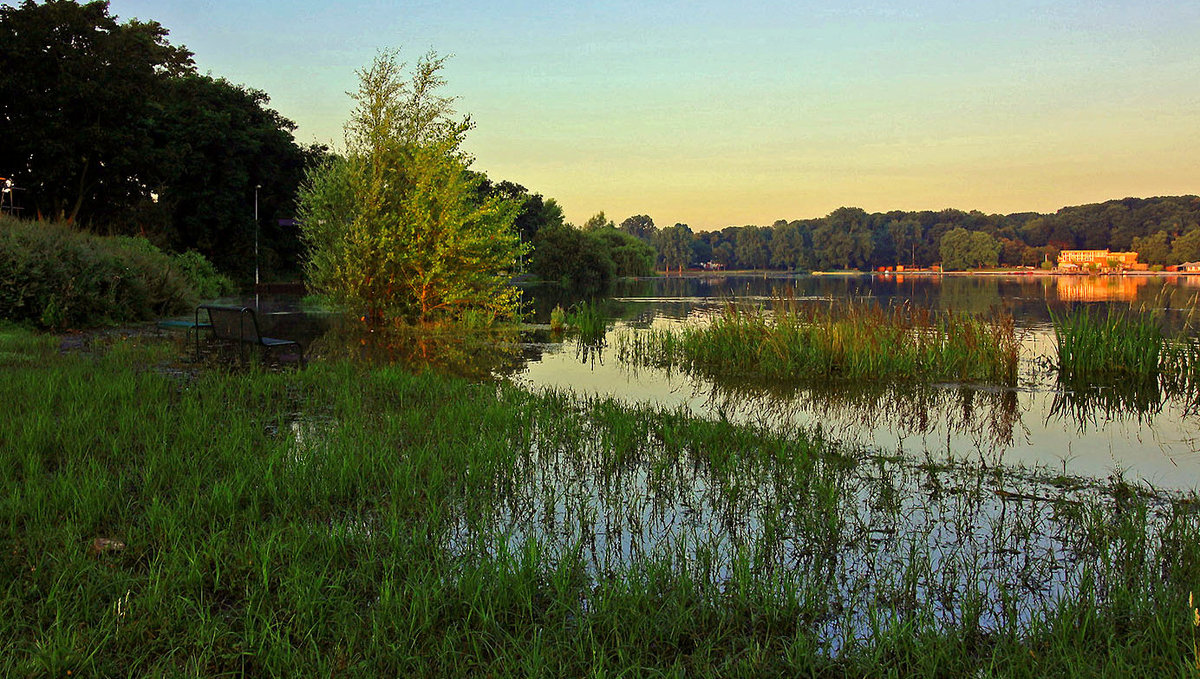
[[598, 222], [589, 321], [1092, 343], [536, 212], [861, 342], [1153, 249], [558, 319], [674, 245], [964, 250], [396, 230], [56, 277], [641, 226], [1125, 349], [631, 256], [108, 126], [206, 281], [577, 260]]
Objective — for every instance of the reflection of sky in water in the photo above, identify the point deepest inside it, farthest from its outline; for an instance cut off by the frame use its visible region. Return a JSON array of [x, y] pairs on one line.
[[1036, 425]]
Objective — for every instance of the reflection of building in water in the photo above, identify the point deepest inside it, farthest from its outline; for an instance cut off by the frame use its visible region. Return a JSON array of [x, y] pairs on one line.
[[1100, 260], [1099, 288]]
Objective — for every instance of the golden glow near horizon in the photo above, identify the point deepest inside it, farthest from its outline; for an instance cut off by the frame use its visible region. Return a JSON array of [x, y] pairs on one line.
[[717, 114]]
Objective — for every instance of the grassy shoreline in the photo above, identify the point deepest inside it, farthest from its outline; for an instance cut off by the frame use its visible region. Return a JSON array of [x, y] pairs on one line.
[[369, 522]]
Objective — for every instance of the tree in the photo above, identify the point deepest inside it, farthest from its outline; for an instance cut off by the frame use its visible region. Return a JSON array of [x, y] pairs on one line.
[[220, 141], [576, 259], [395, 229], [630, 255], [80, 99], [1155, 249], [675, 246], [107, 125], [1186, 248], [962, 249], [753, 247], [844, 239], [641, 226], [597, 222]]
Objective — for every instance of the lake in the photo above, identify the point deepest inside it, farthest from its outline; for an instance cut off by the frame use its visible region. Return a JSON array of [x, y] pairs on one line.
[[1140, 435], [1098, 433]]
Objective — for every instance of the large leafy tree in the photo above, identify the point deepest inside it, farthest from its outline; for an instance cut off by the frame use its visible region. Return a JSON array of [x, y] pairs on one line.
[[220, 141], [674, 245], [107, 125], [395, 228], [80, 100], [962, 249]]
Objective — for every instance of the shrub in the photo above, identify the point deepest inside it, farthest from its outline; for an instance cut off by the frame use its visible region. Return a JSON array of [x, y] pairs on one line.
[[202, 275], [56, 277]]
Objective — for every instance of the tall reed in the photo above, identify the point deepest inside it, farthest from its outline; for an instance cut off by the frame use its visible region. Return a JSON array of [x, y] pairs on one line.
[[1092, 343], [857, 342], [589, 321]]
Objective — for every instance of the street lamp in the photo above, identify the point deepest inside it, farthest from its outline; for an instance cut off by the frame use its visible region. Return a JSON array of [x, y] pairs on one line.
[[256, 188]]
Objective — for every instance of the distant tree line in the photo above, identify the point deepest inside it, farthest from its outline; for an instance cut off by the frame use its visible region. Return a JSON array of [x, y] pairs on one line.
[[1163, 231]]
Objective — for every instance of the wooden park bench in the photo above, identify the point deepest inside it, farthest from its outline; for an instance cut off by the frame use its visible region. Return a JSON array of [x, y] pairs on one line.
[[238, 325]]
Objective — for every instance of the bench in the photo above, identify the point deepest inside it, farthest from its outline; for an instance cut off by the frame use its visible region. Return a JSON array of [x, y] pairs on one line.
[[240, 325]]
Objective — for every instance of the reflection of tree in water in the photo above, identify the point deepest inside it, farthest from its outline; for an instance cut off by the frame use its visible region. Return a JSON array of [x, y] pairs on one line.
[[473, 354], [971, 294], [991, 416]]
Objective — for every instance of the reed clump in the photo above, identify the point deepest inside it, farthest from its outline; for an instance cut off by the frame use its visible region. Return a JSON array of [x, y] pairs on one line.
[[856, 342], [1095, 343], [589, 321], [1125, 349]]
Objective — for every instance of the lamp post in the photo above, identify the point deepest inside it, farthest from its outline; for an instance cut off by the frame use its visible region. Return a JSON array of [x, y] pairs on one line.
[[256, 188]]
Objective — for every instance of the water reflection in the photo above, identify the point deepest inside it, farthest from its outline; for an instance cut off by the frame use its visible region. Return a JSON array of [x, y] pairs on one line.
[[989, 416], [477, 355], [1144, 429]]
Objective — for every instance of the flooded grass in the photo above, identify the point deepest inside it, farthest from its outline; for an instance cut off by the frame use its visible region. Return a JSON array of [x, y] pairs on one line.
[[854, 343], [1094, 343], [370, 522], [587, 319], [1123, 360]]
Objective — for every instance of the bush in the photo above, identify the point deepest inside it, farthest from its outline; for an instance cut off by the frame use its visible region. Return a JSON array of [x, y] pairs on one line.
[[579, 261], [202, 275], [56, 277]]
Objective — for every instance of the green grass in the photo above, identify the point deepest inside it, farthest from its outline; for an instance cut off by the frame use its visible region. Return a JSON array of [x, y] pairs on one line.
[[1093, 343], [1123, 358], [819, 343], [589, 321], [355, 521]]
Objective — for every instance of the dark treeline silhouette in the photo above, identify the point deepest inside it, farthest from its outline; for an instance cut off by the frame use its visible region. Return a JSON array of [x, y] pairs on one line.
[[1164, 230]]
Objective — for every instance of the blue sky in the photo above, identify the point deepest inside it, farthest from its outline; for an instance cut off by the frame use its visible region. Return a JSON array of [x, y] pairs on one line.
[[721, 113]]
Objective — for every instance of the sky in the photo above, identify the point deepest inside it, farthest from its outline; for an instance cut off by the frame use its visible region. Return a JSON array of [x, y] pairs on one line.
[[731, 113]]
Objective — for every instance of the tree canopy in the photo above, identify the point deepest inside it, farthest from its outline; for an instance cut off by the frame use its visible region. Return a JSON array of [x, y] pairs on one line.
[[396, 228], [108, 126]]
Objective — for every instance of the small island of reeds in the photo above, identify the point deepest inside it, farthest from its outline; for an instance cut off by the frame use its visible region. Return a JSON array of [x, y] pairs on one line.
[[796, 343]]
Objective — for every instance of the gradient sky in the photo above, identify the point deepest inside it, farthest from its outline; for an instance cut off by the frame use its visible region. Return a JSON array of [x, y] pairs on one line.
[[723, 113]]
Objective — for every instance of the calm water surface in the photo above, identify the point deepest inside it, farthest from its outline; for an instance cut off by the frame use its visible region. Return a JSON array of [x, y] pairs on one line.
[[1099, 433]]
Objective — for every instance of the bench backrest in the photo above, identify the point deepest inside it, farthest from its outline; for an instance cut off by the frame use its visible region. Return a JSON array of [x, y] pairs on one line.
[[234, 323]]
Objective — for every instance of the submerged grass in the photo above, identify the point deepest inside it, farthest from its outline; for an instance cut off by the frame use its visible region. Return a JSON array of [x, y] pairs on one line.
[[356, 521], [1126, 353], [855, 343], [589, 321]]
